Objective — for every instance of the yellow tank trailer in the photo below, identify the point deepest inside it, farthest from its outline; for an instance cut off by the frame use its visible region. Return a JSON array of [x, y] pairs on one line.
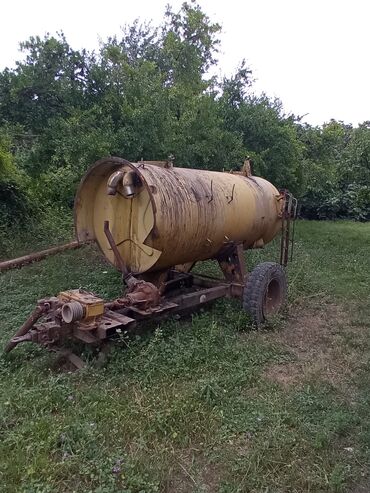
[[153, 222], [162, 216]]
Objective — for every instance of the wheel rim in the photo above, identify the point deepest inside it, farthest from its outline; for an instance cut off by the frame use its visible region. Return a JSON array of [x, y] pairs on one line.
[[273, 298]]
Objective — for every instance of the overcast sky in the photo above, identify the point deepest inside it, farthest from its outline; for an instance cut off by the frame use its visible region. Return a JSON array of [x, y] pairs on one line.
[[312, 54]]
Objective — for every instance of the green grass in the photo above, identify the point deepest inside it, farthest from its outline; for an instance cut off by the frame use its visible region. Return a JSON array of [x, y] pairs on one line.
[[199, 405]]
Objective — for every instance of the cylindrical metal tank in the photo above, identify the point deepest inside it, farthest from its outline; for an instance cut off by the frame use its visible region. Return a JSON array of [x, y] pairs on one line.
[[161, 216]]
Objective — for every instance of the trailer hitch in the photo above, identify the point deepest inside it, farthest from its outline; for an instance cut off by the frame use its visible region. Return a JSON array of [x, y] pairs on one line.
[[43, 307]]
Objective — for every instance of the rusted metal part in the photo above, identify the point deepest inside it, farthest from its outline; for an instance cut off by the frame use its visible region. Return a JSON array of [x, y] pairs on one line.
[[293, 218], [127, 276], [107, 326], [85, 336], [232, 264], [47, 326], [202, 296], [57, 318], [45, 333], [177, 215], [176, 280], [143, 295], [35, 257], [42, 307], [112, 243], [289, 213], [246, 169]]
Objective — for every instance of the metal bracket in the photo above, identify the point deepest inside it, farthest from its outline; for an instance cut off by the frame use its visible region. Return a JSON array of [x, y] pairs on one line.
[[230, 198], [232, 264], [127, 276], [289, 214]]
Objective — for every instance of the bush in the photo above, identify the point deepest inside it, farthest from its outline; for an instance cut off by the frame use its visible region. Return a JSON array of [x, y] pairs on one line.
[[14, 202], [14, 199]]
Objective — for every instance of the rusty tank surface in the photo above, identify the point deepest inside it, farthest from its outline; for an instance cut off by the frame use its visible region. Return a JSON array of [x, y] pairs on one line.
[[154, 222], [161, 216]]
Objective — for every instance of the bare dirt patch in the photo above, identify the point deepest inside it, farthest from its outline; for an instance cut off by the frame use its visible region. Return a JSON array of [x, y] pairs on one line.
[[325, 346], [193, 472], [286, 374]]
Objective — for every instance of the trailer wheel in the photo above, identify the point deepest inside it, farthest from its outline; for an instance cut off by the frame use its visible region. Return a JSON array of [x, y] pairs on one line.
[[265, 292]]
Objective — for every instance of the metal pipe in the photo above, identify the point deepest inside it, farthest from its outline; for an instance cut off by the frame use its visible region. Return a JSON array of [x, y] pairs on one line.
[[113, 182], [128, 184], [35, 257], [32, 319]]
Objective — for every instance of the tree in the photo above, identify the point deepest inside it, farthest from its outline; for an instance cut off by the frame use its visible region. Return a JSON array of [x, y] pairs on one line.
[[14, 201], [147, 93], [50, 82], [268, 136]]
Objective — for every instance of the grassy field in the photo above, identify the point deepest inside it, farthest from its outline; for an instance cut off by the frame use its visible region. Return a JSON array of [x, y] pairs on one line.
[[203, 404]]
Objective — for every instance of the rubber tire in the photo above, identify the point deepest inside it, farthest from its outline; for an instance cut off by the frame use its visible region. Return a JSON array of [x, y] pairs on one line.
[[256, 288]]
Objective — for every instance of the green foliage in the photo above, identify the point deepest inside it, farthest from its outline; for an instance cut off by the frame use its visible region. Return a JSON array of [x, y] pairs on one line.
[[48, 83], [6, 160], [189, 46], [147, 93], [47, 226], [269, 136], [14, 200], [336, 171]]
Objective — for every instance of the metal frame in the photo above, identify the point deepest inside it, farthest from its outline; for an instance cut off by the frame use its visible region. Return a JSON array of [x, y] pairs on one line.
[[287, 233], [178, 293]]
